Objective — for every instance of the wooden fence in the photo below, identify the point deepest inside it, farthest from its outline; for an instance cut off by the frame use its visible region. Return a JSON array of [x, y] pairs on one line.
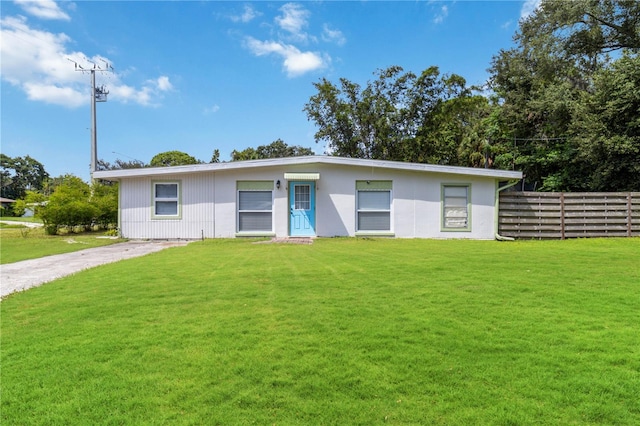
[[560, 215]]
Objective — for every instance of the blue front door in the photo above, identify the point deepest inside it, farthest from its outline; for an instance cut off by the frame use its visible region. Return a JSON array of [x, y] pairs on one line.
[[302, 203]]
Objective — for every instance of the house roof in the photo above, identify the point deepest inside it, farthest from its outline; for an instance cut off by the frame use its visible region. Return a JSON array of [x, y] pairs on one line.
[[312, 159]]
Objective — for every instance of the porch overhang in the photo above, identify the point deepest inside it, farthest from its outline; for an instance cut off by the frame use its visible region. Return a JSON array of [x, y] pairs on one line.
[[302, 176]]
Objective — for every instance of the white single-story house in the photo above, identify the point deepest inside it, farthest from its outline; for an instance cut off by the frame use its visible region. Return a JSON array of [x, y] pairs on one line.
[[311, 196]]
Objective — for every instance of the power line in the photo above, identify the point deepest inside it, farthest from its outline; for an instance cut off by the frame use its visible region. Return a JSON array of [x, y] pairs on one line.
[[540, 139], [125, 155]]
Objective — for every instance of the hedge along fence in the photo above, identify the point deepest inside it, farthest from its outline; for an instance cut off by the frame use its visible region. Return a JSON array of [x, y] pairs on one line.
[[560, 215]]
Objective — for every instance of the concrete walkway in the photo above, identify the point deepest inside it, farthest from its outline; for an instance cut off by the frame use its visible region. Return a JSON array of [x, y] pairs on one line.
[[23, 275], [27, 224]]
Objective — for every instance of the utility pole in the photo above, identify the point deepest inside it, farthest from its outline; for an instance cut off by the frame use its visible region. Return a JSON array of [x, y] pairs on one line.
[[98, 94]]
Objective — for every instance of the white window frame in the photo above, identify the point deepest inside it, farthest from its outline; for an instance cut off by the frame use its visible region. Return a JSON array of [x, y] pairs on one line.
[[177, 199], [302, 204], [257, 186], [374, 186], [447, 225]]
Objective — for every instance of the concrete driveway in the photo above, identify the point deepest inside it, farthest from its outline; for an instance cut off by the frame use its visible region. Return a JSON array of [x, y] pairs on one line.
[[23, 275]]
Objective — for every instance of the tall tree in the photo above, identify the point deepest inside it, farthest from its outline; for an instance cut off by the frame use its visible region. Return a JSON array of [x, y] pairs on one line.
[[246, 154], [21, 174], [585, 29], [454, 132], [543, 82], [172, 158], [119, 164], [607, 127], [276, 149], [398, 116]]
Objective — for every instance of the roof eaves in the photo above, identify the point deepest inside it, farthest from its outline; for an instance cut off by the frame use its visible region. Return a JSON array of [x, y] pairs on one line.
[[208, 167], [312, 159], [433, 168]]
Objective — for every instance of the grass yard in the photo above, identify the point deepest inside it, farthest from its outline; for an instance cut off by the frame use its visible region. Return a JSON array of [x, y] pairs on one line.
[[344, 332], [21, 243]]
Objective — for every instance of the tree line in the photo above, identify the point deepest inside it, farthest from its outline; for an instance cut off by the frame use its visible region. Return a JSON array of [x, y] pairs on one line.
[[68, 203], [562, 105], [276, 149], [64, 202]]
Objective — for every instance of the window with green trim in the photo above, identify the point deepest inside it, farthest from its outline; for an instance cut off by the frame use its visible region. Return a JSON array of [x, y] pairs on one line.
[[166, 199], [373, 206], [255, 206], [455, 207]]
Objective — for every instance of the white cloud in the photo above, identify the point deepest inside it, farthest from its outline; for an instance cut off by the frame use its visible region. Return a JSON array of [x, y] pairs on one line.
[[248, 15], [40, 63], [44, 9], [528, 8], [148, 95], [50, 93], [293, 20], [295, 62], [443, 13], [211, 110], [163, 83], [292, 24], [333, 36], [125, 94], [298, 63]]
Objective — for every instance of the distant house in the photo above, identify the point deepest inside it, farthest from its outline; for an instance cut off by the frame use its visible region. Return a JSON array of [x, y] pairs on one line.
[[30, 209], [6, 202], [321, 196]]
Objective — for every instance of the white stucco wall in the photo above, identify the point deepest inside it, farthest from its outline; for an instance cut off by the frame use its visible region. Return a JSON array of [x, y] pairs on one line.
[[416, 209], [208, 202]]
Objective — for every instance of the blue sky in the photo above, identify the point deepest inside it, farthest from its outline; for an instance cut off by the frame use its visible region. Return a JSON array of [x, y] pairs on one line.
[[196, 76]]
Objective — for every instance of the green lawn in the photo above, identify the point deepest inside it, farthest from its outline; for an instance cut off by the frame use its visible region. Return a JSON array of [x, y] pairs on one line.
[[343, 332], [30, 243]]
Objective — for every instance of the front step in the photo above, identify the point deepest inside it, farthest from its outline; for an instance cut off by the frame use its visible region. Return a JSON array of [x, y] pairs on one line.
[[289, 240]]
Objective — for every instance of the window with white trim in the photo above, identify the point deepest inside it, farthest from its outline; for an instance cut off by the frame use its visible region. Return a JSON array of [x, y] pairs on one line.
[[373, 206], [255, 206], [166, 199], [455, 207]]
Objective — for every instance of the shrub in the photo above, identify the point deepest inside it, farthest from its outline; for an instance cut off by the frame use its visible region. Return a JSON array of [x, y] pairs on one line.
[[105, 199], [51, 229], [76, 207]]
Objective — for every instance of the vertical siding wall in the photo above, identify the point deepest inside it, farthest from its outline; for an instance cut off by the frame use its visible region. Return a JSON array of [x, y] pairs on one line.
[[208, 202], [559, 215], [197, 208]]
